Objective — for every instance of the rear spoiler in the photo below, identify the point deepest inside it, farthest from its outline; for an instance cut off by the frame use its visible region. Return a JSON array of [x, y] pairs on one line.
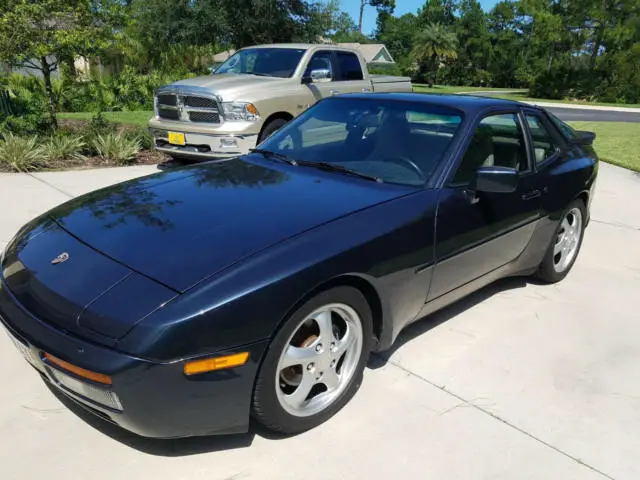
[[584, 138]]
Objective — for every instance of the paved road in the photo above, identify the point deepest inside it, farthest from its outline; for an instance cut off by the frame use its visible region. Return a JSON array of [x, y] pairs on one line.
[[519, 381], [576, 113], [584, 115]]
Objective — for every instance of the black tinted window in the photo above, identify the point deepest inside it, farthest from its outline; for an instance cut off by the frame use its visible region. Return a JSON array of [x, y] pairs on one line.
[[543, 143], [349, 66], [497, 141], [566, 130]]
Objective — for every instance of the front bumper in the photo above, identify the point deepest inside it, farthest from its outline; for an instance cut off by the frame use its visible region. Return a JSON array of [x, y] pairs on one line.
[[205, 145], [156, 399]]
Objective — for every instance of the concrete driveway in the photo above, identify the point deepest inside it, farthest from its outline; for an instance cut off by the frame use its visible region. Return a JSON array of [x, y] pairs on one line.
[[518, 381]]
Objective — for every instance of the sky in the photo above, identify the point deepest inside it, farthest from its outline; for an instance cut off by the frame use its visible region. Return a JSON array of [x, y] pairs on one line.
[[402, 6]]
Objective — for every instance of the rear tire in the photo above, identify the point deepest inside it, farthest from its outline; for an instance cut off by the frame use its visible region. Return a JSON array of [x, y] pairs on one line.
[[270, 128], [565, 244], [315, 362]]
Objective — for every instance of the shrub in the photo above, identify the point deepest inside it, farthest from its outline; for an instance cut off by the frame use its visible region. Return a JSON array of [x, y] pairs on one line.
[[116, 147], [143, 135], [21, 154], [63, 147]]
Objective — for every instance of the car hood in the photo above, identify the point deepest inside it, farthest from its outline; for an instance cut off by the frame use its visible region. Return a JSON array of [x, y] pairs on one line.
[[230, 85], [181, 226]]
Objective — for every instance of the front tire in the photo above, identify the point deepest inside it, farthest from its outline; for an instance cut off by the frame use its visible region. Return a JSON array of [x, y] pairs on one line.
[[270, 128], [565, 244], [315, 362]]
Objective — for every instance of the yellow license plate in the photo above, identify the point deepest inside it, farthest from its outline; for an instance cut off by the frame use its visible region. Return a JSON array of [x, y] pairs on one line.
[[176, 138]]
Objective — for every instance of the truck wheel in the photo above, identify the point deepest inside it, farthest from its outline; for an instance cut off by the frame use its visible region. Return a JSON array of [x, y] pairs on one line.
[[270, 128]]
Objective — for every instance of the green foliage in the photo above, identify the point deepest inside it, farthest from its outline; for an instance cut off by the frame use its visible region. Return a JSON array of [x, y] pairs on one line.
[[433, 45], [21, 154], [58, 148], [41, 34], [117, 148]]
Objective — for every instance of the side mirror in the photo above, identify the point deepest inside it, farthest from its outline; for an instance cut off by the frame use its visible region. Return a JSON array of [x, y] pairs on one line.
[[584, 138], [496, 180], [319, 75]]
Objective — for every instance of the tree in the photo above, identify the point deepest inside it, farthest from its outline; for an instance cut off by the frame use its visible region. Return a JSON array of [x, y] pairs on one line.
[[433, 44], [38, 34], [384, 7]]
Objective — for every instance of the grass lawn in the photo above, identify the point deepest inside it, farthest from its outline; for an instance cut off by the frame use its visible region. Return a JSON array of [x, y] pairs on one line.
[[616, 142], [418, 88], [130, 118], [522, 97]]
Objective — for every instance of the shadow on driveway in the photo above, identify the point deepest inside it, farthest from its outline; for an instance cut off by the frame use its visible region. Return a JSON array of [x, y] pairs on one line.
[[419, 327], [176, 447]]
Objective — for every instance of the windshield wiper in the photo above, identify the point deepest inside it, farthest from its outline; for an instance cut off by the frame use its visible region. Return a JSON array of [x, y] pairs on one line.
[[277, 156], [332, 167], [258, 74]]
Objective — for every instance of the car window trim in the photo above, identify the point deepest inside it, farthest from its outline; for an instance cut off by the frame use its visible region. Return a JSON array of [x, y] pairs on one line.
[[459, 155], [558, 140]]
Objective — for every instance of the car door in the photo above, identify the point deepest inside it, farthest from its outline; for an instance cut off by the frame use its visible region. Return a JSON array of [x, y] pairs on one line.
[[349, 75], [478, 232]]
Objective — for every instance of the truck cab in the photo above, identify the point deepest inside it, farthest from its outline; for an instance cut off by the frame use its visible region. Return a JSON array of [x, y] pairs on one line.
[[253, 94]]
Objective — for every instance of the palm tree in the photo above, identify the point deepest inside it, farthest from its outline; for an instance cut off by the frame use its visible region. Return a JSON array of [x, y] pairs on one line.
[[432, 45]]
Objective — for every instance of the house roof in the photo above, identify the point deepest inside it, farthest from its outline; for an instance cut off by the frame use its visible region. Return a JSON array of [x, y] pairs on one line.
[[372, 52]]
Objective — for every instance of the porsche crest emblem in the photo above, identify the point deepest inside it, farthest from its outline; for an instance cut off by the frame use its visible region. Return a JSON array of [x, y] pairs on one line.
[[63, 257]]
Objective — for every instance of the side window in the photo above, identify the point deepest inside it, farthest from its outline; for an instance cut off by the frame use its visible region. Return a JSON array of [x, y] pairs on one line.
[[320, 61], [543, 143], [497, 141], [349, 66]]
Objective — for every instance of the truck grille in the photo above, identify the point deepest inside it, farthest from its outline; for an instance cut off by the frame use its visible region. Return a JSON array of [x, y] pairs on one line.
[[187, 108]]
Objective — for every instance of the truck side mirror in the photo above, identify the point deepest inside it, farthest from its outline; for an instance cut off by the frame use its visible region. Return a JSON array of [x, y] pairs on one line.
[[317, 76]]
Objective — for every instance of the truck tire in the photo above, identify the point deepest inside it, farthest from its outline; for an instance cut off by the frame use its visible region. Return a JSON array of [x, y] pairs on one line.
[[270, 128]]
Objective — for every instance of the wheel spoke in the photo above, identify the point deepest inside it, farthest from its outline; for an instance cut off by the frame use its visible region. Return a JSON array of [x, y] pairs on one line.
[[331, 379], [298, 397], [566, 226], [345, 342], [297, 356], [559, 247], [325, 325]]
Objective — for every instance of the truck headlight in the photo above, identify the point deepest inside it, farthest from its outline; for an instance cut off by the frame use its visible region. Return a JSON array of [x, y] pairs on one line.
[[240, 111]]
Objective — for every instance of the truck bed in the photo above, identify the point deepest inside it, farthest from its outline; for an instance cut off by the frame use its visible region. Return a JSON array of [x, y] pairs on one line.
[[390, 83]]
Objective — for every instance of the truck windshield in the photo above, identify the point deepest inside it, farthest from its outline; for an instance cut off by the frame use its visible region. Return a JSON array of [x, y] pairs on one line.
[[268, 62], [392, 141]]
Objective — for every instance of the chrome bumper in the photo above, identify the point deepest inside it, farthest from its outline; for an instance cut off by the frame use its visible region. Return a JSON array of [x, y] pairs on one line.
[[199, 145]]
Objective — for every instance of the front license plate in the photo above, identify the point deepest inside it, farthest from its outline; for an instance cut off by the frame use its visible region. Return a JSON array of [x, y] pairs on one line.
[[176, 138]]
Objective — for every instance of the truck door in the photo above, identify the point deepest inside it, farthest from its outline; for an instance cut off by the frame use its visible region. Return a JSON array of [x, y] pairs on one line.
[[349, 76]]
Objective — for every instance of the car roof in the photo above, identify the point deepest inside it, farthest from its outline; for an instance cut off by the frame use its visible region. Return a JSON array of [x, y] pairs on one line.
[[466, 103]]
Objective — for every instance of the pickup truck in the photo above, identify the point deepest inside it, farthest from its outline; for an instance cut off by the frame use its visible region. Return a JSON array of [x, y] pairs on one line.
[[253, 94]]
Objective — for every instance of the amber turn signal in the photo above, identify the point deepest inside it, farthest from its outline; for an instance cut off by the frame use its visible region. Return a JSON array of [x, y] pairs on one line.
[[217, 363], [252, 109], [80, 372]]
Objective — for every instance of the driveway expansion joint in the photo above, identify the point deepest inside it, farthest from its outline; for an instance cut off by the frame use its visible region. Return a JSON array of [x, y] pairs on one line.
[[50, 185], [493, 415]]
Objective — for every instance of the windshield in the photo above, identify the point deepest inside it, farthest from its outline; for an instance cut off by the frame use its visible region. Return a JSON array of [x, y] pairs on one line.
[[396, 142], [270, 62]]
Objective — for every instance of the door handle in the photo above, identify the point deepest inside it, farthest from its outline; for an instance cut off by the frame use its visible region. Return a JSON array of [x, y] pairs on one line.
[[334, 92], [531, 194]]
